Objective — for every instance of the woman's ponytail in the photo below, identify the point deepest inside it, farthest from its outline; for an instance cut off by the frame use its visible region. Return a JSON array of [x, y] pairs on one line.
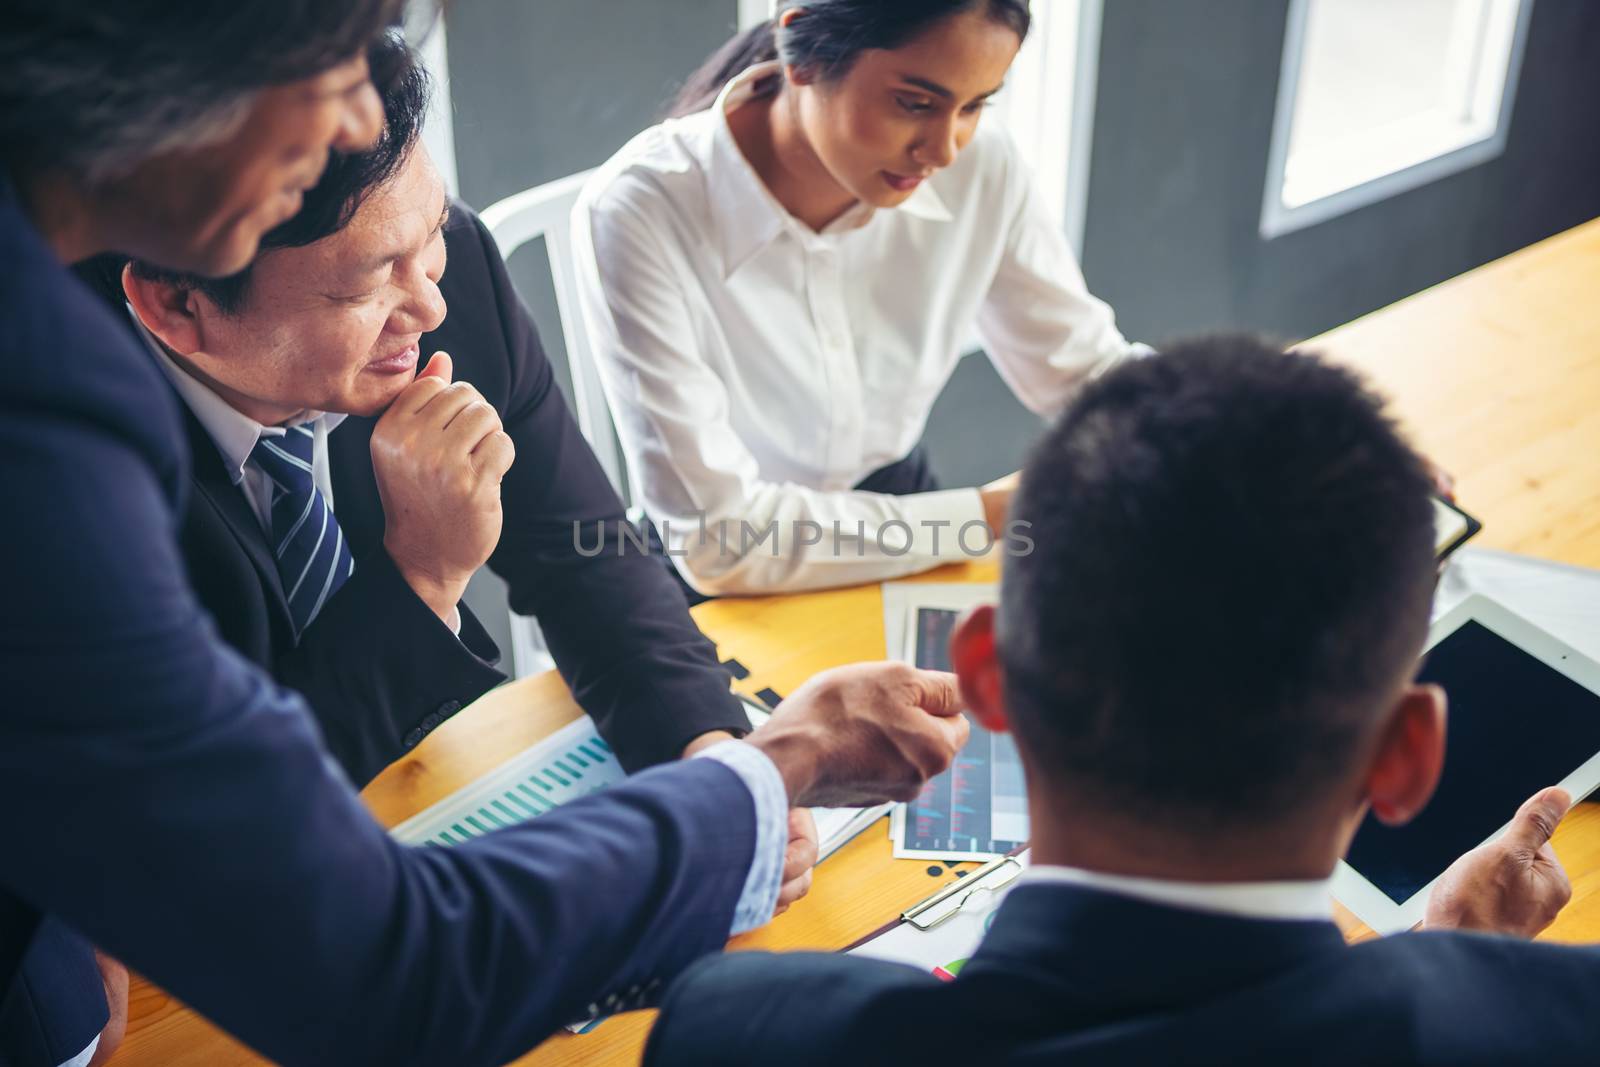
[[758, 44]]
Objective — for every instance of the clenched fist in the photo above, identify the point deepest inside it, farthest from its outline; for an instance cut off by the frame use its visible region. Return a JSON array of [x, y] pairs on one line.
[[864, 734], [439, 453]]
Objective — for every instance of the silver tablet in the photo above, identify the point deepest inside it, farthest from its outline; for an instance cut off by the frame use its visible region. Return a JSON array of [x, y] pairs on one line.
[[1524, 714]]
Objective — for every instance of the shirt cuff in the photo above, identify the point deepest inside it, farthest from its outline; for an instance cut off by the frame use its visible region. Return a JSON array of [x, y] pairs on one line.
[[761, 777], [82, 1058], [947, 524]]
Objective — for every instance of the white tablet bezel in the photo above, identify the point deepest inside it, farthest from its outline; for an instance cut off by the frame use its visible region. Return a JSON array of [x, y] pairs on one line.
[[1369, 903]]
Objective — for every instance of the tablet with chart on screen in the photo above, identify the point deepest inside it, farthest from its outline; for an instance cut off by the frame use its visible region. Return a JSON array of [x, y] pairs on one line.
[[978, 808]]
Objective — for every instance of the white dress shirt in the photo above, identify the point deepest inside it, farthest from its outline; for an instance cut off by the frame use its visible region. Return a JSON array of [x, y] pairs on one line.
[[758, 370], [1305, 901]]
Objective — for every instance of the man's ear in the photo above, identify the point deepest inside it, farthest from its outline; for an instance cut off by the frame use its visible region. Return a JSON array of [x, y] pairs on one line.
[[1410, 756], [167, 310], [977, 665]]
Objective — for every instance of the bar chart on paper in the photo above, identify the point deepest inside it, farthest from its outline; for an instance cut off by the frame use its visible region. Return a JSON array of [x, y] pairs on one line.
[[978, 808], [568, 764]]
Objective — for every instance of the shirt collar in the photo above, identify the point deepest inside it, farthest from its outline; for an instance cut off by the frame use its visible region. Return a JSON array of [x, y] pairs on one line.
[[746, 215], [1309, 900], [234, 433]]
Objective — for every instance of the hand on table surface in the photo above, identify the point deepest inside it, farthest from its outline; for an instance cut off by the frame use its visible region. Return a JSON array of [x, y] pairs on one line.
[[997, 501]]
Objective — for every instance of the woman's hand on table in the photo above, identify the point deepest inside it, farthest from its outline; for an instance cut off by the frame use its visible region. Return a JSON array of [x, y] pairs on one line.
[[996, 498]]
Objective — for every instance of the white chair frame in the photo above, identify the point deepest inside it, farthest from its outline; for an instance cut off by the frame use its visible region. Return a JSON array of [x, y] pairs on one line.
[[546, 211]]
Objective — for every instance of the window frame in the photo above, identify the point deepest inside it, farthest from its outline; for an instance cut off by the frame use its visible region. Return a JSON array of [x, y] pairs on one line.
[[1278, 218]]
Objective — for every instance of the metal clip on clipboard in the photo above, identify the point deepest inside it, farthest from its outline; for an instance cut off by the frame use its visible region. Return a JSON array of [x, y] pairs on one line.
[[991, 877]]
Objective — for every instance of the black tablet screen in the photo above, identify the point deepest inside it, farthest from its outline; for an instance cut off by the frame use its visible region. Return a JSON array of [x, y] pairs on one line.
[[1515, 726]]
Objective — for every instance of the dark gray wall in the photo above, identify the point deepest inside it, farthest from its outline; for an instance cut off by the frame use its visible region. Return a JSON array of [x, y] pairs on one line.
[[1184, 117], [545, 88]]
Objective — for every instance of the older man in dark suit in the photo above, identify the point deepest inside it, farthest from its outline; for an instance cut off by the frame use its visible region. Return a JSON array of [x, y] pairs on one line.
[[162, 797], [341, 507]]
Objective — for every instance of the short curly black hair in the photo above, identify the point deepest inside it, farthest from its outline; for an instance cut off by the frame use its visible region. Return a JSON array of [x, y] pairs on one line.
[[348, 180], [1232, 570]]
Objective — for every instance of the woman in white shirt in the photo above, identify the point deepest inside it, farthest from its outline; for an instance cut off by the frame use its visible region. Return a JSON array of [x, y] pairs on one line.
[[778, 282]]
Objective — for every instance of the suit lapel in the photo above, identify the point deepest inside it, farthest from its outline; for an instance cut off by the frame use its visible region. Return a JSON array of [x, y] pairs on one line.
[[215, 489], [355, 487]]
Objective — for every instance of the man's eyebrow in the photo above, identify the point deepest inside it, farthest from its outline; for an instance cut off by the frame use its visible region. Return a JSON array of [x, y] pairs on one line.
[[940, 91], [343, 90], [383, 259]]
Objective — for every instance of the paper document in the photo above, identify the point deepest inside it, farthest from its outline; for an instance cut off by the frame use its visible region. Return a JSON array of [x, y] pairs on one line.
[[945, 948], [1557, 597], [570, 763]]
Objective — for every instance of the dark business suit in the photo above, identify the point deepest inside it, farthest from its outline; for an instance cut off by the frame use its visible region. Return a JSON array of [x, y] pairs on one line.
[[1069, 975], [165, 798], [376, 664]]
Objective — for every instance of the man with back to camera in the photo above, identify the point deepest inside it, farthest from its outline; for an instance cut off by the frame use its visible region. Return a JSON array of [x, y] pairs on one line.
[[162, 797], [1208, 663]]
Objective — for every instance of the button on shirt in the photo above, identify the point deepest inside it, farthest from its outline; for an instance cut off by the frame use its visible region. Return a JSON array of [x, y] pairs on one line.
[[758, 370]]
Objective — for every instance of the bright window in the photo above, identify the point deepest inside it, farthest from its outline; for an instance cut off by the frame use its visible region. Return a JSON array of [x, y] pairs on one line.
[[1048, 103], [1380, 96]]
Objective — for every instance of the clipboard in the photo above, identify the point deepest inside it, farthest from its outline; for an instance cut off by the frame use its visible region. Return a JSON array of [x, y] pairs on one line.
[[939, 933]]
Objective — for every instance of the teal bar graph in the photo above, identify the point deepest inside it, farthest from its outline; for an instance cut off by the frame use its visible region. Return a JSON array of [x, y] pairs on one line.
[[571, 763]]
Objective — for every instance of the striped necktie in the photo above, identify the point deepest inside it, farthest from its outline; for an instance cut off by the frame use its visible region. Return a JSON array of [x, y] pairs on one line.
[[313, 559]]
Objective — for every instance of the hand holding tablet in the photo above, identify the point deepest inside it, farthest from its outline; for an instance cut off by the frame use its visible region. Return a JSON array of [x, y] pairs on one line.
[[1513, 885], [1524, 713]]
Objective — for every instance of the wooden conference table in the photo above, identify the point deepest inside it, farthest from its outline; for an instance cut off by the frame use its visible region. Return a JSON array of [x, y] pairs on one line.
[[1495, 374]]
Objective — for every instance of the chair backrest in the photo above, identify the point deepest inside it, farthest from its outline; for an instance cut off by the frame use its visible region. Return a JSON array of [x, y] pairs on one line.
[[546, 211]]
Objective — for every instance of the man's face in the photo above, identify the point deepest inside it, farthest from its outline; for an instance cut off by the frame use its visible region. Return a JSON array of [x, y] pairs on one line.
[[204, 210], [334, 326]]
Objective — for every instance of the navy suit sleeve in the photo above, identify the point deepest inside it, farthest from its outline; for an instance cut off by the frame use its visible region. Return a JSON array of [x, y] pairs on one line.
[[166, 799], [382, 671], [616, 622], [756, 1007]]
